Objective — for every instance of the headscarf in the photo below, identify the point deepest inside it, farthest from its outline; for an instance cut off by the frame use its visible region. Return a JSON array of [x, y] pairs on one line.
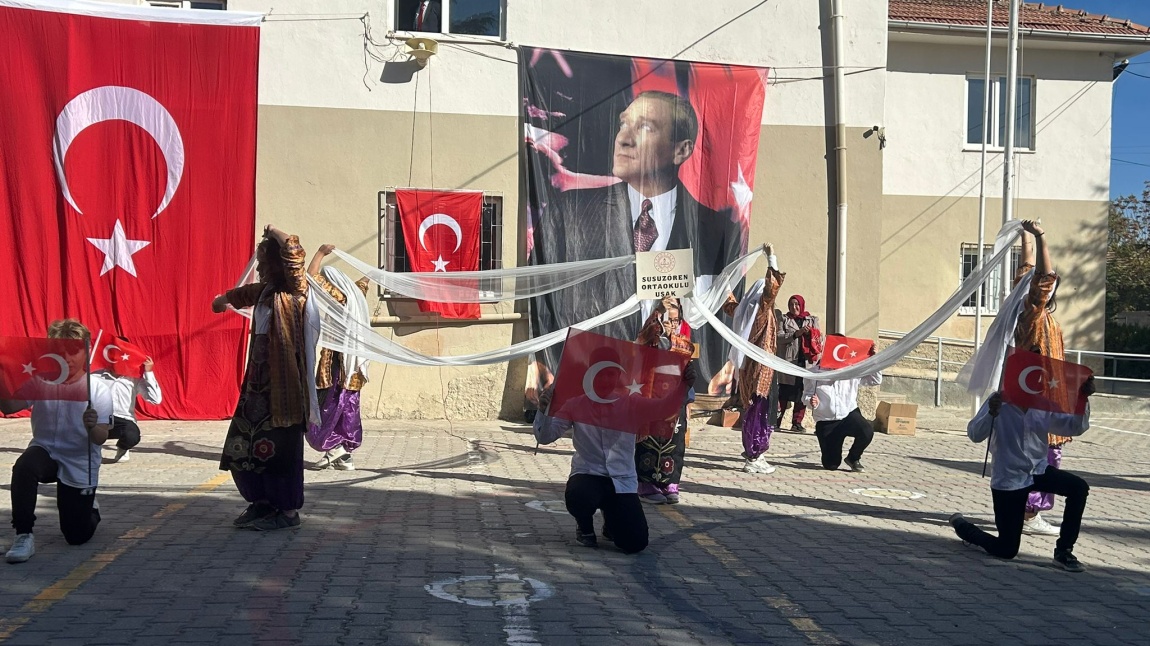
[[803, 313]]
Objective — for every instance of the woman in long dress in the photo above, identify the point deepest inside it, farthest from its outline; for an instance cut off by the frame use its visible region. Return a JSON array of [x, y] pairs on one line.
[[799, 342], [659, 461], [264, 445]]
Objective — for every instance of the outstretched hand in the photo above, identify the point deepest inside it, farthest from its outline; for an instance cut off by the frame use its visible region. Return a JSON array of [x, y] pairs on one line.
[[1031, 227], [1088, 387]]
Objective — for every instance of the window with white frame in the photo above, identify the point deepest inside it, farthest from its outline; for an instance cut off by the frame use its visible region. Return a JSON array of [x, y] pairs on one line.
[[218, 5], [996, 133], [472, 17], [393, 251], [990, 288]]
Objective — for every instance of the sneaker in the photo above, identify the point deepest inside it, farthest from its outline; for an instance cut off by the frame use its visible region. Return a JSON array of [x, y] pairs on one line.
[[588, 539], [278, 520], [1063, 559], [956, 519], [122, 455], [254, 512], [798, 428], [672, 498], [343, 463], [855, 465], [1038, 526], [22, 549], [654, 498]]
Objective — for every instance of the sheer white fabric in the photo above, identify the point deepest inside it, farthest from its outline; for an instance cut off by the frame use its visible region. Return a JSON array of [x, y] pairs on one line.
[[247, 278], [354, 310], [346, 336], [488, 286], [983, 372], [896, 351]]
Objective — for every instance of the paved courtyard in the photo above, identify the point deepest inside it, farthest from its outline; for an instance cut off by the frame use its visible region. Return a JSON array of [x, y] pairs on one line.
[[454, 534]]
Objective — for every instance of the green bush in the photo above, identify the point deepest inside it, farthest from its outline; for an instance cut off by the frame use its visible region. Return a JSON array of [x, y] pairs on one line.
[[1128, 339]]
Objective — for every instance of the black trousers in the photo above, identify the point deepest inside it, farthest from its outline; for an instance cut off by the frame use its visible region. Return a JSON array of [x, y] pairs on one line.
[[78, 516], [125, 431], [832, 435], [1010, 508], [622, 512]]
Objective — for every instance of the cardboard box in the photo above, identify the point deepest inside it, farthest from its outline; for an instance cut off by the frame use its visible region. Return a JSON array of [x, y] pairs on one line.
[[896, 419], [708, 407]]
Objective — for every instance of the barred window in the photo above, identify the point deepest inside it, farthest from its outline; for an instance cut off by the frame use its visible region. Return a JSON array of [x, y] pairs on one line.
[[989, 288], [393, 251]]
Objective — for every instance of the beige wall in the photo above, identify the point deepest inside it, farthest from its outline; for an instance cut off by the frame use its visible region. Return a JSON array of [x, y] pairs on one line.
[[921, 251], [320, 171]]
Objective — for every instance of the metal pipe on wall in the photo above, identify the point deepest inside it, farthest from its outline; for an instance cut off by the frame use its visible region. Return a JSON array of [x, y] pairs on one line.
[[840, 322], [978, 304], [1008, 145]]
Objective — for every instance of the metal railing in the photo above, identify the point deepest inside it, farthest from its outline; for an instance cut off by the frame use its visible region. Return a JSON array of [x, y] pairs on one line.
[[1109, 360]]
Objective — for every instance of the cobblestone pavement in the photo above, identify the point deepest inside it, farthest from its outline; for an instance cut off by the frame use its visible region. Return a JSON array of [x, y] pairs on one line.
[[454, 534]]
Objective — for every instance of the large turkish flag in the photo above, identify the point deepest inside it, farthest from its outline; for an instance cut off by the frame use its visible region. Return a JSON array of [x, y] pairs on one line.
[[127, 183]]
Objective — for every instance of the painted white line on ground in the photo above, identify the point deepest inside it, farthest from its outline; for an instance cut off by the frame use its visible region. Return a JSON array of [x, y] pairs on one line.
[[1118, 430]]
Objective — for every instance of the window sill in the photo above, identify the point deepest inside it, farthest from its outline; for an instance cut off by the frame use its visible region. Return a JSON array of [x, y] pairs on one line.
[[974, 148], [436, 321], [448, 37]]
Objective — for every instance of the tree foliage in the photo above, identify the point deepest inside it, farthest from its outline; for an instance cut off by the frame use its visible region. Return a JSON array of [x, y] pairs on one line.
[[1128, 255]]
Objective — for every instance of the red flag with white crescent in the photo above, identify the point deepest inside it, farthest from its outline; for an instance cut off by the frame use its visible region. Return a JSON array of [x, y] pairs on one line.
[[127, 182], [441, 234], [1031, 380], [36, 369], [619, 385], [117, 355], [841, 351]]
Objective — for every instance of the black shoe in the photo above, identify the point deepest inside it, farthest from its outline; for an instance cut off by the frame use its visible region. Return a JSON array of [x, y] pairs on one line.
[[586, 540], [254, 512], [278, 520], [1066, 560], [956, 519], [855, 465]]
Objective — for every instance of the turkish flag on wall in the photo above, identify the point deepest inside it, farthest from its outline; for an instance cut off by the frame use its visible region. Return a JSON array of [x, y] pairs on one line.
[[619, 385], [127, 183], [117, 355], [1031, 380], [441, 233], [841, 351], [37, 369]]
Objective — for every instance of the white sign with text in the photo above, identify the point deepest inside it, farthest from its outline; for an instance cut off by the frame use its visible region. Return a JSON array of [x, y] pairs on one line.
[[664, 273]]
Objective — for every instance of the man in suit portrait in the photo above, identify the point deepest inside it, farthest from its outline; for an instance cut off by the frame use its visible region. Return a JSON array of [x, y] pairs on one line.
[[643, 207]]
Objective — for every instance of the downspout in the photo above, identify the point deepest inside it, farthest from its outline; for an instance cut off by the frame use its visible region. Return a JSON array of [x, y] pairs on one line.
[[978, 304], [1008, 145], [840, 322]]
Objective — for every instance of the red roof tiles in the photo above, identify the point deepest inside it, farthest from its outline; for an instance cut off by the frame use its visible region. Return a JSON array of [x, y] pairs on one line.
[[1035, 15]]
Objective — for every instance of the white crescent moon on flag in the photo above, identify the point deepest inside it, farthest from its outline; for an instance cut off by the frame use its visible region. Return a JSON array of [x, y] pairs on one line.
[[111, 103], [835, 352], [444, 219], [63, 368], [589, 381], [109, 347], [1026, 373]]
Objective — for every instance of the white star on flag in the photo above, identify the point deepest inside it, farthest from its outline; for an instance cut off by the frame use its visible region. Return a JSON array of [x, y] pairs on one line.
[[1052, 384], [29, 369], [854, 354], [118, 250], [634, 388], [441, 264], [124, 357], [742, 191]]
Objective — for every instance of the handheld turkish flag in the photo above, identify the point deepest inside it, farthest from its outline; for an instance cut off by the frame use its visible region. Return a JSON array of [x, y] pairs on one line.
[[841, 351], [619, 385], [441, 233], [1031, 380], [41, 369], [127, 182], [117, 355]]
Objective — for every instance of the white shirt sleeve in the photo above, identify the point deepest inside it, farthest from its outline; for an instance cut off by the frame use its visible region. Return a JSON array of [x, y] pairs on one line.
[[872, 380], [773, 262], [102, 402], [548, 429], [979, 428], [809, 386], [149, 388]]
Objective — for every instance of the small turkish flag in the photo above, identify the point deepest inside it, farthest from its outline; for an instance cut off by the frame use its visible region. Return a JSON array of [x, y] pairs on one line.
[[1032, 380], [40, 369], [117, 355], [441, 234], [842, 351], [619, 385]]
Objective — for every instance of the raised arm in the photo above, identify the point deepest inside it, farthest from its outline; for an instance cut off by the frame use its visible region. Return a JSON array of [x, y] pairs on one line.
[[148, 387], [292, 255], [1042, 264], [317, 260]]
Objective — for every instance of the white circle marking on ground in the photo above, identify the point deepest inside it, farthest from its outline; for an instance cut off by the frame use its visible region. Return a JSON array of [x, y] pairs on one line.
[[552, 506], [539, 590]]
